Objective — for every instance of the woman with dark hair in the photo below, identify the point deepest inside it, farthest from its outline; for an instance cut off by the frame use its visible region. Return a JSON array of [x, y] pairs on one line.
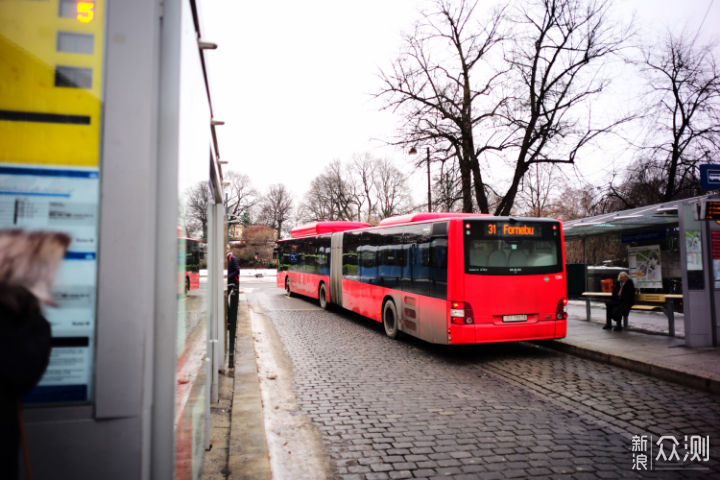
[[623, 297], [28, 262]]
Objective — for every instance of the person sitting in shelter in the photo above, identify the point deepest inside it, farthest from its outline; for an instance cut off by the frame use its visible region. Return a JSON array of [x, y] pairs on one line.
[[623, 297]]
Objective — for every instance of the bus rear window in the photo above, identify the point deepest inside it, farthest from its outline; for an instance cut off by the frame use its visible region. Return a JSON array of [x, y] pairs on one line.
[[505, 247]]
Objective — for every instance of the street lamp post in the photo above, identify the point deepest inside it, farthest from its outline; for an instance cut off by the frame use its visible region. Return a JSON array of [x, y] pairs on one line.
[[413, 151], [429, 191]]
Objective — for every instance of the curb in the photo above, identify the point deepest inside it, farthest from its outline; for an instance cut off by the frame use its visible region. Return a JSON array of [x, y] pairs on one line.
[[663, 373], [248, 457]]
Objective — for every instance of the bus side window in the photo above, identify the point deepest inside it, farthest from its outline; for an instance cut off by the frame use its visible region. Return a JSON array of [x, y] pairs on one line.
[[281, 262], [351, 242], [302, 255], [388, 271], [324, 255], [310, 256]]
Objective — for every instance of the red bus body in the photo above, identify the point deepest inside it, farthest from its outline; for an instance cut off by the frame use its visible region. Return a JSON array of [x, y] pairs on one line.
[[189, 266], [438, 298]]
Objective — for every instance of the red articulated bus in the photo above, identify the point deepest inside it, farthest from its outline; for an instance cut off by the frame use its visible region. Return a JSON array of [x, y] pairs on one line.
[[449, 278]]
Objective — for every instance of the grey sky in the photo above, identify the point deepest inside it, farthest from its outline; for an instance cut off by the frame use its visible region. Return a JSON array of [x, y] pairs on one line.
[[292, 80]]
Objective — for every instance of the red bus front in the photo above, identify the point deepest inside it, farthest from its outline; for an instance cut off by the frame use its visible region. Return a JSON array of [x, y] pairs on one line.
[[506, 280]]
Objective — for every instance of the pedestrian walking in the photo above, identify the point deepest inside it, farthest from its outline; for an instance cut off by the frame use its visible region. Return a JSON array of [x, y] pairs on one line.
[[28, 263], [233, 293], [622, 299]]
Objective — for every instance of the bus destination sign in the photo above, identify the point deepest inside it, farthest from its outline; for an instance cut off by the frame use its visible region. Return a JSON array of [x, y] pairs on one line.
[[712, 210], [513, 230]]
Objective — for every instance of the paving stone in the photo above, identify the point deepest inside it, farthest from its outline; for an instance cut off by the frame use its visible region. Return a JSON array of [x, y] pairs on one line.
[[408, 409]]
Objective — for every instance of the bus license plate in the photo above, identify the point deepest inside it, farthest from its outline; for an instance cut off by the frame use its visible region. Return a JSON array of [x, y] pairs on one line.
[[514, 318]]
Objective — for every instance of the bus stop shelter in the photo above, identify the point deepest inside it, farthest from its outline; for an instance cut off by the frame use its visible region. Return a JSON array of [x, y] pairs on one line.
[[698, 265]]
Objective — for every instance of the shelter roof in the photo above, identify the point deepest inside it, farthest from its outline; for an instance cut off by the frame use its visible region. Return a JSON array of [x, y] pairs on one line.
[[661, 215]]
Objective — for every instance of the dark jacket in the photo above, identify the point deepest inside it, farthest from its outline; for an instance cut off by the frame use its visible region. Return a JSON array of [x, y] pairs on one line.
[[623, 301], [233, 269], [24, 356]]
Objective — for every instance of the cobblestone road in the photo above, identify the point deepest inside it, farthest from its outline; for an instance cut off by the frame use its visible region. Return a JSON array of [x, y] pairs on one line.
[[406, 409]]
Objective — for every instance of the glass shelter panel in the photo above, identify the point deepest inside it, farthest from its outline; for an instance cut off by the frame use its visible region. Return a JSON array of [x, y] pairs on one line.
[[193, 302], [51, 83]]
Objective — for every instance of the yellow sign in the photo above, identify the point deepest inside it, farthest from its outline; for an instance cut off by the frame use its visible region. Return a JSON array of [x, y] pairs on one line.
[[51, 59]]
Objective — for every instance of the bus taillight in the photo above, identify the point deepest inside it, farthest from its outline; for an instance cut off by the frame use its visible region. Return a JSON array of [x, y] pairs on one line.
[[461, 313], [561, 312]]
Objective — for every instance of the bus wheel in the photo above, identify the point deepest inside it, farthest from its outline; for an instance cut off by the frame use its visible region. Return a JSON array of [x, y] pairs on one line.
[[187, 286], [322, 297], [390, 319], [287, 287]]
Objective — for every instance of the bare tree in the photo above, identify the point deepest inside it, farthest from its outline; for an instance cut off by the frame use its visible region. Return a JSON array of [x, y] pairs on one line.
[[539, 191], [197, 199], [437, 85], [363, 172], [392, 189], [276, 208], [683, 95], [578, 202], [330, 197], [242, 197], [447, 188], [556, 60]]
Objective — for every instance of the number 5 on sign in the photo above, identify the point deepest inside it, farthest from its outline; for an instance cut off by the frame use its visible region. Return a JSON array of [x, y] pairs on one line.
[[85, 12]]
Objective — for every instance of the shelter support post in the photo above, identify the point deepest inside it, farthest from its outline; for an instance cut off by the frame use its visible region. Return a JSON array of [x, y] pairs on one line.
[[670, 313], [587, 308]]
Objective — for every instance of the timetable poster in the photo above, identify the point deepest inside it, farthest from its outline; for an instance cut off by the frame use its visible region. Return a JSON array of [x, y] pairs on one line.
[[51, 58], [716, 257], [645, 267]]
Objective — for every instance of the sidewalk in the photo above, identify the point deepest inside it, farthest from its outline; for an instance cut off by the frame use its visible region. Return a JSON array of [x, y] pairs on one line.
[[659, 356], [237, 435], [649, 322]]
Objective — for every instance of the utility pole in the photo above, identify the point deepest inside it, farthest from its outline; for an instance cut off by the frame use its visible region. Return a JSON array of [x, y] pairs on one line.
[[429, 194], [414, 151]]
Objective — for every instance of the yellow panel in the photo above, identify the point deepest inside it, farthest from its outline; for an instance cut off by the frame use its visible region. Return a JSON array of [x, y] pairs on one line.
[[28, 59]]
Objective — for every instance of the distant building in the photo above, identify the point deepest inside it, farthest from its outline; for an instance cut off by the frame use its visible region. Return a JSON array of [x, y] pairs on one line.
[[235, 231]]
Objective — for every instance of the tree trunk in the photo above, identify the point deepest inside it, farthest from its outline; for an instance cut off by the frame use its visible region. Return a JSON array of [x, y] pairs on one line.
[[466, 180], [508, 200], [479, 187]]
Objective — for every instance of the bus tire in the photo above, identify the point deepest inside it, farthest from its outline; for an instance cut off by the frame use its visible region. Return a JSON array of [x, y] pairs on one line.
[[287, 287], [322, 297], [390, 319]]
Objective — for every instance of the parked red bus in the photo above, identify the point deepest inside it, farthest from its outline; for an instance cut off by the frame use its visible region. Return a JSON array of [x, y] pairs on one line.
[[445, 278], [189, 266]]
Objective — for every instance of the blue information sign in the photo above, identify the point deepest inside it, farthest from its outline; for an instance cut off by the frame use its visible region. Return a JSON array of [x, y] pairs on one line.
[[710, 177], [641, 237]]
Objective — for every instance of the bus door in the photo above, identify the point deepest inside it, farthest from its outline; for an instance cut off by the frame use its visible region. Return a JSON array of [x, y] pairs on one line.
[[437, 268], [408, 250], [418, 240]]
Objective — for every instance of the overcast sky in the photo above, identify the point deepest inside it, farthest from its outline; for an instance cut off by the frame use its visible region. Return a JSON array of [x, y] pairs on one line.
[[293, 80]]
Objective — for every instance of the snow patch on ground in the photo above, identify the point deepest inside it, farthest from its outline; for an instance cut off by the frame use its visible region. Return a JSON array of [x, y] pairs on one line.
[[294, 444]]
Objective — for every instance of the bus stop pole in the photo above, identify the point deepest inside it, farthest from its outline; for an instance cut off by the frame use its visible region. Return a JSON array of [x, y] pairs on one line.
[[711, 282]]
